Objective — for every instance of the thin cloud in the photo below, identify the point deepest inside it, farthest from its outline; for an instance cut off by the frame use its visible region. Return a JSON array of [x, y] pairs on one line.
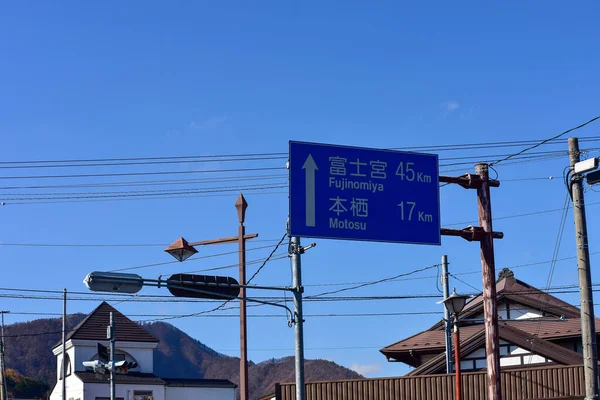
[[209, 123], [365, 369], [194, 126], [450, 106]]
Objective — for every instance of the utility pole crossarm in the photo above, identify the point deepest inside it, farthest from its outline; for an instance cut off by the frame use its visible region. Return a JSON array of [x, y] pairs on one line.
[[468, 181], [471, 233]]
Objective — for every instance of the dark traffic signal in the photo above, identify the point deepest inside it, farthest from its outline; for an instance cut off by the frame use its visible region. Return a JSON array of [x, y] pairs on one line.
[[212, 287]]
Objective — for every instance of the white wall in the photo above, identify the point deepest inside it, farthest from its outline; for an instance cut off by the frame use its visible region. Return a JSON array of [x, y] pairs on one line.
[[517, 311], [93, 390], [74, 389], [527, 359], [71, 353], [141, 352], [506, 359], [199, 393]]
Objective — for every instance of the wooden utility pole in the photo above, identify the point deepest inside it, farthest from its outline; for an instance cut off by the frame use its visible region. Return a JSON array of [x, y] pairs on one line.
[[588, 328], [484, 234], [490, 308], [241, 206]]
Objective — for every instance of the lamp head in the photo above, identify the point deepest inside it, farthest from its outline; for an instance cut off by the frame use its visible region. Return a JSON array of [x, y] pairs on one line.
[[181, 250], [455, 303]]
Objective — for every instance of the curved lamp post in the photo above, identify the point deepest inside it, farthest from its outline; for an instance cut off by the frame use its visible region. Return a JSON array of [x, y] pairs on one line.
[[455, 303], [182, 250]]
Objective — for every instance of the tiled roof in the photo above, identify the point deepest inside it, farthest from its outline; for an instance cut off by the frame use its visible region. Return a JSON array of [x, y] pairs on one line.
[[513, 290], [543, 328], [93, 327], [130, 378], [512, 335], [179, 382], [548, 329]]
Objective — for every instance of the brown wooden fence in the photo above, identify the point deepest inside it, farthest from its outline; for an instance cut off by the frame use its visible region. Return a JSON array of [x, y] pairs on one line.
[[544, 383]]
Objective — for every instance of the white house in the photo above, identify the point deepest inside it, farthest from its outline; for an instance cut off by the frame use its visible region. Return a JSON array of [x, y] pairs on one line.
[[133, 343]]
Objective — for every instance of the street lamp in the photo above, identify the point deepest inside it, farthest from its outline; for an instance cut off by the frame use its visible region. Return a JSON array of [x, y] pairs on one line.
[[182, 250], [182, 285], [455, 304]]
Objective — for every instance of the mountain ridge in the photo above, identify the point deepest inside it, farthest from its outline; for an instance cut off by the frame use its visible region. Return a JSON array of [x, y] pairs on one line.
[[178, 355]]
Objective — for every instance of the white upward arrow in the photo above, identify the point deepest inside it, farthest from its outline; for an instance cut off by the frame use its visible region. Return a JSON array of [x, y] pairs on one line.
[[310, 167]]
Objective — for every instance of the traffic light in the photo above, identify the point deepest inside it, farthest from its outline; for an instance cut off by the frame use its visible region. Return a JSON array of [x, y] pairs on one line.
[[122, 367], [96, 366], [212, 287], [593, 177]]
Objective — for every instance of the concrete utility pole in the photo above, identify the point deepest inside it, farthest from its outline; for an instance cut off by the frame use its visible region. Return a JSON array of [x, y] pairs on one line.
[[64, 349], [588, 328], [447, 316], [111, 337], [296, 250], [490, 308], [3, 394]]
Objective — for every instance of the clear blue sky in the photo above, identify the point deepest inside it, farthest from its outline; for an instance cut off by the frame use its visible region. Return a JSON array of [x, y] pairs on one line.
[[149, 79]]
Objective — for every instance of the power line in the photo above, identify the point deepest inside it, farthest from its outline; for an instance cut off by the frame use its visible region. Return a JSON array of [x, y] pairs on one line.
[[137, 198], [160, 182], [566, 289], [267, 259], [443, 147], [371, 283], [195, 259], [520, 215], [158, 194], [113, 164], [143, 173], [154, 192], [205, 159], [546, 141], [95, 160], [466, 283], [107, 244]]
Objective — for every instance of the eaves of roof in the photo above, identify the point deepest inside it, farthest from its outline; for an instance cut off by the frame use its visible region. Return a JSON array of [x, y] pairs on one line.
[[512, 335]]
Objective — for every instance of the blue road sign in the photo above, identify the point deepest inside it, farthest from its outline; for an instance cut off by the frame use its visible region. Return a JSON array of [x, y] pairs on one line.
[[353, 193]]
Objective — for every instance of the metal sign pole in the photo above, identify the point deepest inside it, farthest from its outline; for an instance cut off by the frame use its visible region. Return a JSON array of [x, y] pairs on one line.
[[295, 251]]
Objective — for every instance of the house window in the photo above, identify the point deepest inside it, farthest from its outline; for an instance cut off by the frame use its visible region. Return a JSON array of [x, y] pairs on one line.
[[68, 361], [142, 395]]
